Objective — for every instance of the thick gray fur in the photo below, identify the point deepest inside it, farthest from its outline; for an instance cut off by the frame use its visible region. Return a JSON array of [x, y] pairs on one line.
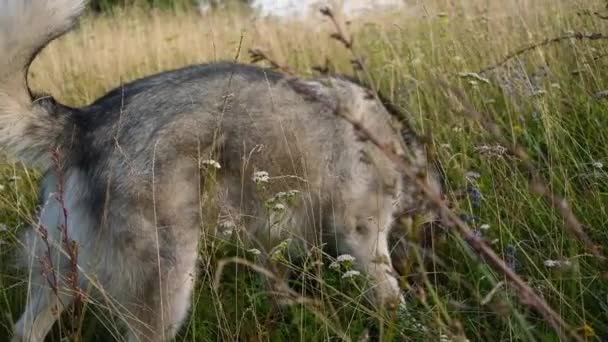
[[132, 174]]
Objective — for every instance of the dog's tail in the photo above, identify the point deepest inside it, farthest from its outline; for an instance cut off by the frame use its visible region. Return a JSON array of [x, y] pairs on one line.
[[29, 130]]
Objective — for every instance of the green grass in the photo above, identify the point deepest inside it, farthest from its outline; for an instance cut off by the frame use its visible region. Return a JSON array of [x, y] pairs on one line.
[[452, 292]]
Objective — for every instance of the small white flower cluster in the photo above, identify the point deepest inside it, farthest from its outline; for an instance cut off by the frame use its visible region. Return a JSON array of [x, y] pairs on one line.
[[286, 195], [261, 177], [598, 165], [254, 251], [472, 176], [344, 258], [212, 163], [278, 207], [227, 227], [557, 263], [601, 94], [351, 274], [278, 201], [492, 151], [405, 315]]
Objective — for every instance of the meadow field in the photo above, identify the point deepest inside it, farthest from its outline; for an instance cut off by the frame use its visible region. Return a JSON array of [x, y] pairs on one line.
[[536, 192]]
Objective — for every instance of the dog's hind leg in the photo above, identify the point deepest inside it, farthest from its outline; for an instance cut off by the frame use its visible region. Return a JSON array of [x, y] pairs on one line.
[[169, 256], [160, 318], [179, 296], [48, 294], [44, 305]]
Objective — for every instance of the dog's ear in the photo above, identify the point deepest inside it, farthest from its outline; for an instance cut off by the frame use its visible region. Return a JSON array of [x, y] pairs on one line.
[[315, 91]]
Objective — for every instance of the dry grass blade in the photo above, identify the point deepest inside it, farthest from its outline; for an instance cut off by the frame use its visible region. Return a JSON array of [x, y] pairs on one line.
[[594, 13], [547, 41], [258, 55], [341, 34]]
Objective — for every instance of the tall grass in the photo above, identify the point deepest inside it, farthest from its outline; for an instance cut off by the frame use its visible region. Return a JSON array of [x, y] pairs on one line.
[[548, 100]]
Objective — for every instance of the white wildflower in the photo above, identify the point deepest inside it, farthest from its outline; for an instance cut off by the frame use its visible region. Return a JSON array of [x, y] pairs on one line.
[[601, 94], [345, 257], [484, 226], [350, 274], [556, 263], [282, 196], [212, 162], [419, 327], [598, 165], [472, 176], [496, 150], [550, 263], [538, 92], [341, 259], [227, 227], [261, 177], [254, 251]]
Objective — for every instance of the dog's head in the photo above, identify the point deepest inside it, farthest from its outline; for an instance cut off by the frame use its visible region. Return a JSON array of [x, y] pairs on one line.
[[370, 186]]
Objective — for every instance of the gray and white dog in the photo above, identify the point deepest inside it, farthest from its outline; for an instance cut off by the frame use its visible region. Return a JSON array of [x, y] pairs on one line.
[[125, 176]]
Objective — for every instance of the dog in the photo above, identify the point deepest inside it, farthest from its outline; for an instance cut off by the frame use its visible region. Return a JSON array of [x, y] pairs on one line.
[[126, 176]]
